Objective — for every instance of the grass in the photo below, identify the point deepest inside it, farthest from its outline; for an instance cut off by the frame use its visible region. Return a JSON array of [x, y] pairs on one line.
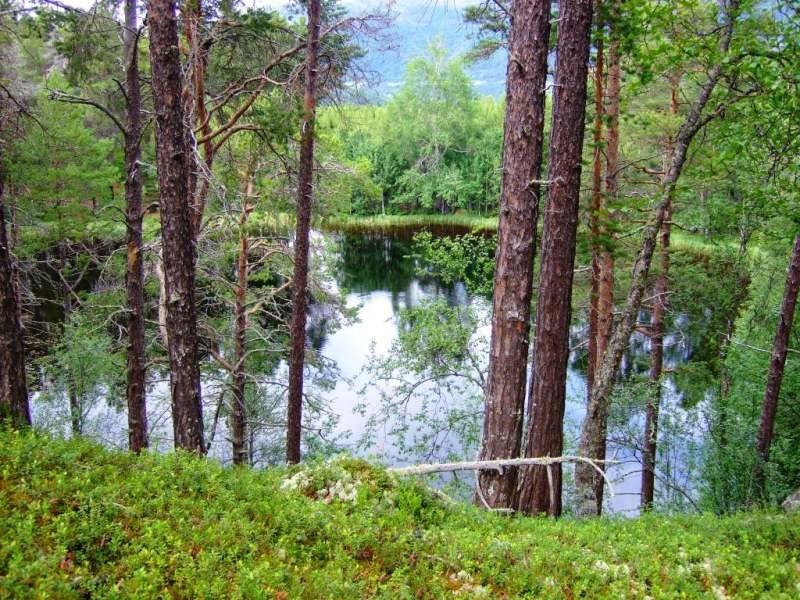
[[462, 221], [78, 521]]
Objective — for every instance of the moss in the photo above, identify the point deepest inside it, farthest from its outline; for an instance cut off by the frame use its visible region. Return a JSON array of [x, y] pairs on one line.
[[79, 521]]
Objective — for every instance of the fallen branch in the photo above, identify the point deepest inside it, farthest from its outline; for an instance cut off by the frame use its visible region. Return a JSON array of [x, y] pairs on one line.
[[494, 465], [499, 465]]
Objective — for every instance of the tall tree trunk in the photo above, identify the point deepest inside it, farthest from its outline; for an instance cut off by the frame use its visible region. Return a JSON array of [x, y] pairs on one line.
[[593, 431], [176, 227], [596, 208], [604, 267], [777, 362], [605, 291], [526, 76], [75, 410], [294, 417], [238, 412], [195, 110], [134, 273], [659, 308], [13, 383], [540, 491], [660, 300]]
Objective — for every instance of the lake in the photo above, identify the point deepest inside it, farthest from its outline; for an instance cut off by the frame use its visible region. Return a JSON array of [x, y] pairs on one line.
[[378, 277]]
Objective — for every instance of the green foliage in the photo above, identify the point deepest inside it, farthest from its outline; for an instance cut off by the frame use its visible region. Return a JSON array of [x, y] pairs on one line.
[[468, 258], [431, 384], [434, 147], [737, 402], [492, 21], [64, 176], [78, 521]]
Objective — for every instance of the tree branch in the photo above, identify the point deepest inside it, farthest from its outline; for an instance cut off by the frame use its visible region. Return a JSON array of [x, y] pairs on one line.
[[60, 96]]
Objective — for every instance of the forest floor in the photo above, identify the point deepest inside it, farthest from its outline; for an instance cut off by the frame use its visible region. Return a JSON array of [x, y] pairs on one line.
[[80, 521]]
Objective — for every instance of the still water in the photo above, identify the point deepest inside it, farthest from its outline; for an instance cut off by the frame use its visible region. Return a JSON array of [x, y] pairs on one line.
[[382, 278], [378, 277]]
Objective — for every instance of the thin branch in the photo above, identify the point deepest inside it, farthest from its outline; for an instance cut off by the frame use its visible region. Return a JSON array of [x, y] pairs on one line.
[[70, 99]]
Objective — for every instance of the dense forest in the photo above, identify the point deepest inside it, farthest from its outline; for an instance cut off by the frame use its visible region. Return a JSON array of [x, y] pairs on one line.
[[221, 234]]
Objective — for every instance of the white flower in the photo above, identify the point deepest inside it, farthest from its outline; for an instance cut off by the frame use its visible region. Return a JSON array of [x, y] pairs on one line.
[[719, 592], [600, 565]]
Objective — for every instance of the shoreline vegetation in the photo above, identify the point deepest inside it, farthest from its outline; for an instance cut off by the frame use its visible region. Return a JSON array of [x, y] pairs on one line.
[[461, 221], [78, 520]]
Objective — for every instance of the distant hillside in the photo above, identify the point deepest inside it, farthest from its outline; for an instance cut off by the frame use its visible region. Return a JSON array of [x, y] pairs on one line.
[[417, 24], [416, 29]]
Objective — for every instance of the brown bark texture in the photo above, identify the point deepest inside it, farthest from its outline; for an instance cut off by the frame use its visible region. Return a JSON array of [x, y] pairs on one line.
[[593, 431], [596, 207], [238, 410], [659, 309], [14, 405], [605, 272], [179, 250], [305, 189], [194, 93], [526, 77], [134, 273], [67, 289], [777, 363], [657, 314], [540, 492]]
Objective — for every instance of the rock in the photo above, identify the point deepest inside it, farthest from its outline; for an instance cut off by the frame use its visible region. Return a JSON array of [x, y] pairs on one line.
[[792, 503]]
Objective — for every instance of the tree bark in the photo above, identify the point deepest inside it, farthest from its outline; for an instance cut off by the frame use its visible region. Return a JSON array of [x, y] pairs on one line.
[[13, 383], [659, 308], [238, 412], [195, 111], [593, 431], [75, 409], [526, 76], [660, 300], [540, 493], [305, 190], [605, 266], [134, 273], [596, 208], [176, 227], [777, 363]]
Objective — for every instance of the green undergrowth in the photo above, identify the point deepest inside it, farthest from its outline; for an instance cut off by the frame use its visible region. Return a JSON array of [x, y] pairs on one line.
[[461, 221], [80, 521]]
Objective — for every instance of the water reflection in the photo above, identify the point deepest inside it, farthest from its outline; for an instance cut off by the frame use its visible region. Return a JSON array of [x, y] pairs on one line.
[[380, 276]]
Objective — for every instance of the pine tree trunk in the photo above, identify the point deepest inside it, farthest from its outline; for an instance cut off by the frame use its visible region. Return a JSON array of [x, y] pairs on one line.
[[75, 410], [540, 492], [238, 412], [513, 281], [134, 273], [605, 293], [13, 383], [593, 431], [596, 208], [660, 302], [195, 110], [294, 417], [777, 363], [179, 250]]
